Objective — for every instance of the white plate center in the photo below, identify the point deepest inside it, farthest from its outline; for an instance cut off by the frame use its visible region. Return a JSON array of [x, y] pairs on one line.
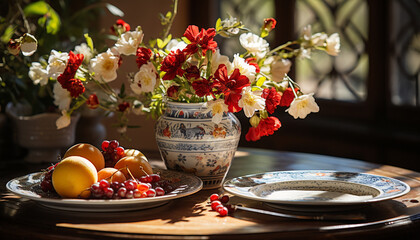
[[315, 190]]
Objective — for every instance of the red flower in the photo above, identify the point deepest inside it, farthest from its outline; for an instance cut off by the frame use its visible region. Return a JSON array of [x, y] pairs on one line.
[[272, 99], [287, 97], [143, 56], [67, 80], [75, 87], [202, 39], [92, 101], [192, 73], [172, 91], [123, 106], [253, 61], [268, 126], [253, 134], [231, 86], [269, 24], [172, 64], [120, 24], [202, 87]]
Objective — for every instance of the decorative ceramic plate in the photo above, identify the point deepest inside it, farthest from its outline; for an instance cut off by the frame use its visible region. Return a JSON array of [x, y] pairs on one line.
[[28, 187], [316, 187]]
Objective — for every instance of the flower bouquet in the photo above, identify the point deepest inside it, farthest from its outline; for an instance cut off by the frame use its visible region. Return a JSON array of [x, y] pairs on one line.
[[189, 69]]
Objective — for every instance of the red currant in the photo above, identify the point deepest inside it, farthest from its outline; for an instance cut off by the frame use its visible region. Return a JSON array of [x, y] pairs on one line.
[[129, 194], [142, 187], [104, 184], [224, 199], [120, 151], [114, 144], [223, 211], [122, 192], [109, 192], [151, 193], [105, 145], [159, 191], [214, 204], [214, 197], [155, 177]]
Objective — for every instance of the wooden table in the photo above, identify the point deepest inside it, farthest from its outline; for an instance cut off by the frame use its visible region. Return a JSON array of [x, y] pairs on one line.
[[191, 218]]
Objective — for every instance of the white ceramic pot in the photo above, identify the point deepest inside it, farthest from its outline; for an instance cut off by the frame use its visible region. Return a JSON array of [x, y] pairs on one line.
[[189, 141], [39, 134]]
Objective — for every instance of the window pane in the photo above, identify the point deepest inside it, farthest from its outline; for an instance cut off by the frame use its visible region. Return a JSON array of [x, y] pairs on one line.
[[343, 77], [405, 52]]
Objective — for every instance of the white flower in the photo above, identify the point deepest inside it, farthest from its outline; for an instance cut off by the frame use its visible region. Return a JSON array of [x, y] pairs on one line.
[[63, 121], [145, 79], [279, 68], [244, 68], [56, 63], [29, 44], [302, 106], [251, 101], [85, 50], [318, 39], [254, 44], [174, 45], [231, 24], [307, 33], [62, 98], [333, 44], [105, 65], [38, 74], [217, 108], [128, 43], [218, 59]]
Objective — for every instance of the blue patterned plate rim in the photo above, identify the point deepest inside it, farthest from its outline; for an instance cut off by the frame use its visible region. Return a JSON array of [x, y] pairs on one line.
[[28, 187], [388, 187]]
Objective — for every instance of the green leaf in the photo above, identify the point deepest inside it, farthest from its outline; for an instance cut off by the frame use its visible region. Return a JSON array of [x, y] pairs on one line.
[[261, 81], [167, 39], [159, 43], [219, 24], [114, 10], [122, 91], [168, 15], [8, 33], [50, 19], [89, 41]]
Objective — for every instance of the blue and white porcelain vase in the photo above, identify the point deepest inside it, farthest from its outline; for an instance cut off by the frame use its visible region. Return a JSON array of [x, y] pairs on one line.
[[189, 141]]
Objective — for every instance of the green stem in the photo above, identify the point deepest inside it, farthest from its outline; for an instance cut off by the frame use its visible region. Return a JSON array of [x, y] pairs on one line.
[[168, 28], [281, 47]]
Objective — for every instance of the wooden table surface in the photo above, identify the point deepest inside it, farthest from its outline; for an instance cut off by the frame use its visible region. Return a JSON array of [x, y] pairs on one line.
[[190, 218]]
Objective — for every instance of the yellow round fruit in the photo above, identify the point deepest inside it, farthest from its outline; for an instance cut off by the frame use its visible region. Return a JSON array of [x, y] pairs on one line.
[[138, 166], [73, 176], [89, 152], [111, 175], [134, 152]]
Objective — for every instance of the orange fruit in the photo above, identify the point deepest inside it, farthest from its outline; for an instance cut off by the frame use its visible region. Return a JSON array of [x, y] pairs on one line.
[[134, 152], [73, 176], [111, 174], [138, 166], [89, 152]]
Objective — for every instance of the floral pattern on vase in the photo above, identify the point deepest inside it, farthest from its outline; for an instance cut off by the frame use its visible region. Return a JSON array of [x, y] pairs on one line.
[[189, 141]]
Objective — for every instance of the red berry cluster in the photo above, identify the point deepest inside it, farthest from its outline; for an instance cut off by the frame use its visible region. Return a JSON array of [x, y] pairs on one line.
[[147, 186], [112, 152], [46, 183], [219, 204]]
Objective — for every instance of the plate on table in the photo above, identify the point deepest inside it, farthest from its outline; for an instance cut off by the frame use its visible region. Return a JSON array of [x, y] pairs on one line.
[[320, 189], [28, 186]]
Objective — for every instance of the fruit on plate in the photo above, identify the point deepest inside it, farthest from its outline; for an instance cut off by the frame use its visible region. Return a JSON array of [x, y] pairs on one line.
[[112, 152], [137, 166], [111, 175], [73, 176], [89, 152], [135, 153]]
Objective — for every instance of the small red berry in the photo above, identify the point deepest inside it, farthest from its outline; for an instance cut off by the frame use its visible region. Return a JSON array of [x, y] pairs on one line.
[[104, 184], [223, 211], [114, 144], [105, 145], [214, 197], [214, 204], [224, 199]]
